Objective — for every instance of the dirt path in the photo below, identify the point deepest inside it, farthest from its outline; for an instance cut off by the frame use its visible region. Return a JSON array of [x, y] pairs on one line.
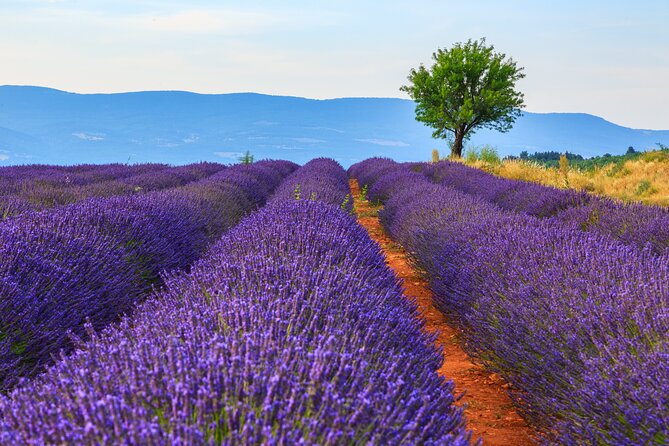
[[489, 411]]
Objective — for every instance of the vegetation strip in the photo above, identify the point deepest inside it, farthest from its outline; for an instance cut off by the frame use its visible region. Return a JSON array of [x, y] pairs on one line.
[[489, 410], [635, 176]]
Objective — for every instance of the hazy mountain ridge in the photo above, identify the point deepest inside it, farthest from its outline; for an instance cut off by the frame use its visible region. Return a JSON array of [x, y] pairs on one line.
[[41, 125]]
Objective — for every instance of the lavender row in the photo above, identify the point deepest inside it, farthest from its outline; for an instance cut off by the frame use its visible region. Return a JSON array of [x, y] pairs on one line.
[[321, 179], [635, 224], [291, 330], [514, 195], [39, 188], [96, 259], [369, 171], [577, 322], [631, 223], [13, 177]]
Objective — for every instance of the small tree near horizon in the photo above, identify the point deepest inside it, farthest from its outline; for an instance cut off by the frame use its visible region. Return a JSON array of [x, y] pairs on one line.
[[468, 87], [247, 158]]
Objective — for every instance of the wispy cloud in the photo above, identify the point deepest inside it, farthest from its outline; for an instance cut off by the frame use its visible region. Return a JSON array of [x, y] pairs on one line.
[[221, 21], [89, 136], [286, 147], [308, 140], [169, 18], [228, 155], [384, 142]]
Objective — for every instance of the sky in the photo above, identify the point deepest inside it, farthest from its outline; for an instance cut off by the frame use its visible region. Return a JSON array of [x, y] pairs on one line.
[[608, 58]]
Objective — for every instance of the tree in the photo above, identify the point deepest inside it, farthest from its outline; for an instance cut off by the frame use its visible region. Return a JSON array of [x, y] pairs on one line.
[[247, 158], [468, 87]]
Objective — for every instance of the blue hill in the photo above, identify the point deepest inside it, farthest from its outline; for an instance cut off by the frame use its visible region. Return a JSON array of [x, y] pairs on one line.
[[41, 125]]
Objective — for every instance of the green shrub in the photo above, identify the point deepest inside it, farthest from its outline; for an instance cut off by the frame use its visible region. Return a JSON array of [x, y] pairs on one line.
[[471, 155], [489, 155]]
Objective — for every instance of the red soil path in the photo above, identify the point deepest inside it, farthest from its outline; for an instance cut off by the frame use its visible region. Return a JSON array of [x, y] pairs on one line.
[[489, 411]]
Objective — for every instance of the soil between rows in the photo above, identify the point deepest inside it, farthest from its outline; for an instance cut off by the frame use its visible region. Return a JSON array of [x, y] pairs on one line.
[[489, 410]]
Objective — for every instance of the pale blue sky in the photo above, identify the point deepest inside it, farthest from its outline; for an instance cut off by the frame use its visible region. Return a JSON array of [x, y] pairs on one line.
[[609, 58]]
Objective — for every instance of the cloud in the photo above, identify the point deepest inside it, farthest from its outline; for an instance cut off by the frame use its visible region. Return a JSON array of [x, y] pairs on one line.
[[89, 136], [227, 21], [285, 147], [384, 142], [161, 142], [308, 140], [154, 18], [329, 129], [4, 157], [228, 155]]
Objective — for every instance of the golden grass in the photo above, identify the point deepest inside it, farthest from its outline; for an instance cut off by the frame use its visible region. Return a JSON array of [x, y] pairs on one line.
[[644, 179]]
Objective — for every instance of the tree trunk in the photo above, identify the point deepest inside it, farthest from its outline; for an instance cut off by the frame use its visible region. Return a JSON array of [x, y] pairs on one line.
[[456, 150]]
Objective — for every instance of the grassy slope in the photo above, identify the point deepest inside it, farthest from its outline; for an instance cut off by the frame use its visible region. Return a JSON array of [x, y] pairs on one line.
[[643, 177]]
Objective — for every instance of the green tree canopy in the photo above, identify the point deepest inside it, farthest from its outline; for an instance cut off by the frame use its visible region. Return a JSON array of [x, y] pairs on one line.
[[469, 86]]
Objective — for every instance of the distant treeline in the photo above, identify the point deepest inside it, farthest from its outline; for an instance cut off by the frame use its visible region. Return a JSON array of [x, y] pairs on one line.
[[552, 158]]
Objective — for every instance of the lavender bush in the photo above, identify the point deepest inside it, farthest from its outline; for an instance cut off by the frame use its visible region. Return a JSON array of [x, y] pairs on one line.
[[634, 224], [367, 172], [321, 179], [521, 196], [24, 188], [392, 180]]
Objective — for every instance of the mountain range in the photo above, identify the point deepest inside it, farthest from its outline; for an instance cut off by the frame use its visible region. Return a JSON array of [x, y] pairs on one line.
[[41, 125]]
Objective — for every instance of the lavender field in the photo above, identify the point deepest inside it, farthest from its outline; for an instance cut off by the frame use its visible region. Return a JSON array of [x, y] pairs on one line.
[[564, 294], [244, 304]]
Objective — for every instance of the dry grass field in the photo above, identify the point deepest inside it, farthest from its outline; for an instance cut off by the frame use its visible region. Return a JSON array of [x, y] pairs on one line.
[[644, 179]]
